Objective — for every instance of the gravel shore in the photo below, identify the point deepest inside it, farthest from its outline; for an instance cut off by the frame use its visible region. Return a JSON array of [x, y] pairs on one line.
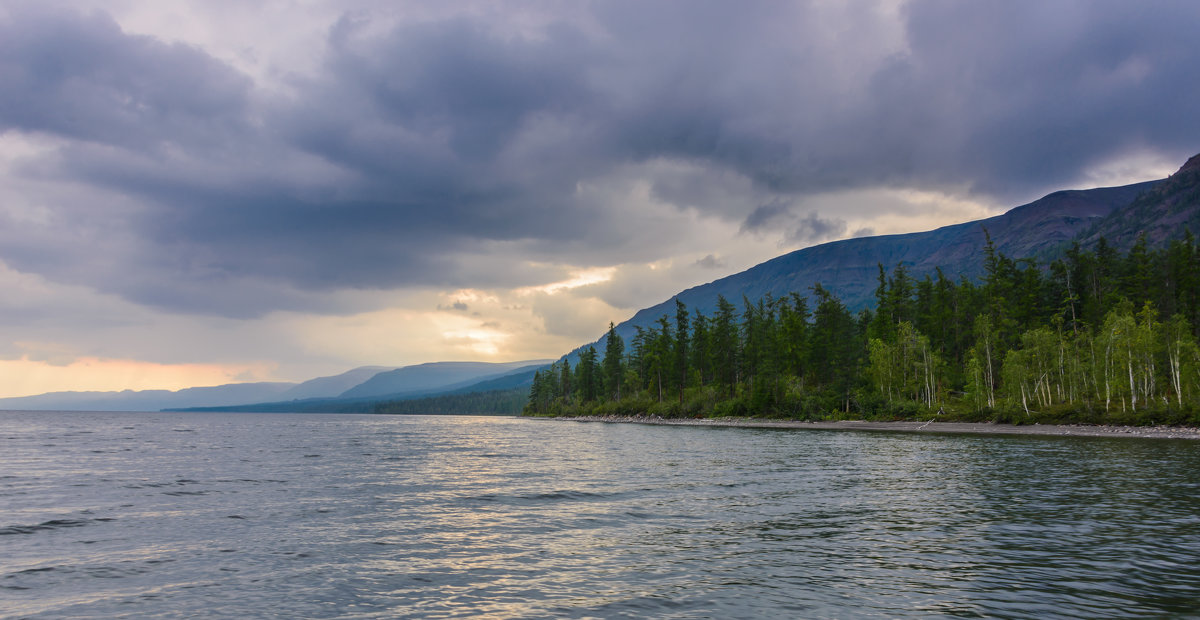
[[1077, 430]]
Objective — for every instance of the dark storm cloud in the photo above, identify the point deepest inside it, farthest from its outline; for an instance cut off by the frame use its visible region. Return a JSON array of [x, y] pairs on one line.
[[81, 77], [456, 130], [1023, 97], [418, 144], [806, 229], [813, 229], [763, 216], [459, 78]]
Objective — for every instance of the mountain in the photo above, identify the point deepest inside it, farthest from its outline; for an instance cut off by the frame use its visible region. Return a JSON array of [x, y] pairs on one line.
[[518, 378], [516, 375], [329, 387], [409, 381], [503, 395], [850, 268], [149, 400], [1161, 209], [432, 377], [1162, 213]]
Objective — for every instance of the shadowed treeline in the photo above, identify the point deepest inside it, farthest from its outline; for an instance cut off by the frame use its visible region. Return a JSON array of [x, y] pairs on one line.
[[1095, 336]]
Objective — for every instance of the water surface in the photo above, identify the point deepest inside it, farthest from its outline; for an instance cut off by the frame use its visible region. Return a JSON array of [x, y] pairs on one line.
[[272, 515]]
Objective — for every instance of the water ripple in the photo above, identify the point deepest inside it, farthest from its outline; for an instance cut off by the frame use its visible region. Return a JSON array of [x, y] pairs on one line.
[[366, 516]]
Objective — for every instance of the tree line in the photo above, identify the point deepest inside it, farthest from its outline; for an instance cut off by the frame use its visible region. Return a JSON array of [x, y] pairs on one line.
[[1095, 335], [493, 402]]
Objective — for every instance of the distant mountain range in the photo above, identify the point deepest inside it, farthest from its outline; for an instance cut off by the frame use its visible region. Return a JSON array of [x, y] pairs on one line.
[[1162, 210], [429, 378], [325, 387], [149, 400], [368, 383]]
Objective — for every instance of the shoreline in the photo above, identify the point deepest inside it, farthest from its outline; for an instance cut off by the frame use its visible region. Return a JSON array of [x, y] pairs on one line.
[[924, 427]]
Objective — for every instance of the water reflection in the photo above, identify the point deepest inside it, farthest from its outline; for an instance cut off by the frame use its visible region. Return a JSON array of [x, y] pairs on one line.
[[359, 516]]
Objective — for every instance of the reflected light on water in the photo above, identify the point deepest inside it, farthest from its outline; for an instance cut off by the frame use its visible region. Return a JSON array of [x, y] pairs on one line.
[[362, 516]]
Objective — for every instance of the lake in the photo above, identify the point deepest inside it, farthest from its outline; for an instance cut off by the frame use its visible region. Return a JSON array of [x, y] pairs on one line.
[[349, 516]]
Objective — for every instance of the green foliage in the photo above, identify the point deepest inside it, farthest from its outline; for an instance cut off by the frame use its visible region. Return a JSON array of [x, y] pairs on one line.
[[614, 371], [1078, 340], [499, 402]]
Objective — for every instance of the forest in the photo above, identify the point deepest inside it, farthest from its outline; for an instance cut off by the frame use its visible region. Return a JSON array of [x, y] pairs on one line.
[[1094, 336], [491, 402]]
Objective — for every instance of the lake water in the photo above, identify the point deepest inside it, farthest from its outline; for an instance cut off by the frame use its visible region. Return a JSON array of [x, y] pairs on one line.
[[289, 516]]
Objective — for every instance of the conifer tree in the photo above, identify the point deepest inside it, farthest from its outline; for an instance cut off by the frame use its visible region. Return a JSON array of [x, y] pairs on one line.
[[725, 345], [614, 357], [586, 375], [682, 333]]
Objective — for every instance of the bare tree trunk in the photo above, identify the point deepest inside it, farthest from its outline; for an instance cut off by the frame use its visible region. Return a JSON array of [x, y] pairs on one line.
[[1132, 384], [987, 348], [1173, 365]]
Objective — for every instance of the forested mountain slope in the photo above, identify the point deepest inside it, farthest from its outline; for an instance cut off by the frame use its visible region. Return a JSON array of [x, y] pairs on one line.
[[1161, 214], [1061, 330], [850, 268]]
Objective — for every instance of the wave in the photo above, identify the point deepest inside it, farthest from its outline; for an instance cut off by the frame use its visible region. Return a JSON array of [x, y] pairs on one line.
[[53, 524]]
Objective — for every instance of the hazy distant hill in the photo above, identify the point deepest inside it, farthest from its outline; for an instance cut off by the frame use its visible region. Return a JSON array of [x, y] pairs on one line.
[[432, 377], [517, 378], [149, 400], [470, 392], [503, 395], [417, 380], [329, 387]]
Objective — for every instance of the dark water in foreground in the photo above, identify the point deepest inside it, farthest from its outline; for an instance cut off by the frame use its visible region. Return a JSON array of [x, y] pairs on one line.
[[228, 515]]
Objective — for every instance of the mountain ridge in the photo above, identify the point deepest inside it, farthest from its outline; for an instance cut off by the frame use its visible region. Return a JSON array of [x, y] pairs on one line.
[[508, 380], [849, 267], [146, 400], [432, 376], [233, 395], [323, 387], [1159, 214]]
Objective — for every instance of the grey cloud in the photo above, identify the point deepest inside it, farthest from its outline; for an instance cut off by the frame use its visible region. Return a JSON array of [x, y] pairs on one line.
[[812, 229], [764, 215], [711, 262], [1023, 97], [806, 229], [79, 76], [863, 232], [441, 152], [1012, 98]]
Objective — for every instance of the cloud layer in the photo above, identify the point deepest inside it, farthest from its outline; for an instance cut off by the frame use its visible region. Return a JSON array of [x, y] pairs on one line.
[[237, 172]]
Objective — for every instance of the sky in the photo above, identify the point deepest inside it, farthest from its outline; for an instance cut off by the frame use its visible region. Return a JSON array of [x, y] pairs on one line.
[[213, 191]]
